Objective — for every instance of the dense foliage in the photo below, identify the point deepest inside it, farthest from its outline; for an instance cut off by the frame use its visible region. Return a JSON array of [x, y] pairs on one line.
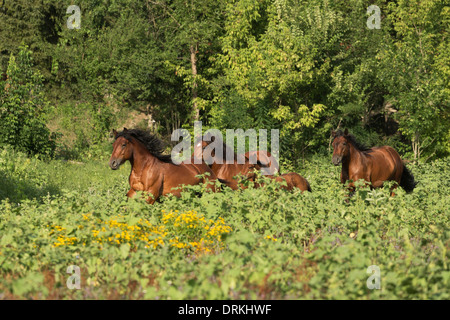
[[303, 67], [251, 244], [23, 108]]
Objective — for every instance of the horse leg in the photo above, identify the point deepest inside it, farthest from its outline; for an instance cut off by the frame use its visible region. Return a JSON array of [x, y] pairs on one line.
[[210, 185], [153, 195], [154, 192], [351, 191], [151, 199], [378, 184], [392, 189], [131, 193]]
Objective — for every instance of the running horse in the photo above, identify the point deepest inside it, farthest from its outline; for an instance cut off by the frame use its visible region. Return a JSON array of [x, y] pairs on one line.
[[151, 170], [292, 179], [228, 172], [242, 166], [375, 165]]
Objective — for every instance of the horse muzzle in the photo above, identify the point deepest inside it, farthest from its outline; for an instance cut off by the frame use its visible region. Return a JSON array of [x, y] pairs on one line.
[[336, 160], [114, 164]]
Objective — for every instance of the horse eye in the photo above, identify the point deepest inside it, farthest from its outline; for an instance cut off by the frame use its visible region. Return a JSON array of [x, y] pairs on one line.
[[124, 145]]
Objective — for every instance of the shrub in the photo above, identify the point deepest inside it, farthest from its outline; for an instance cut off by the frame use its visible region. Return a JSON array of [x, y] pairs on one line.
[[23, 108]]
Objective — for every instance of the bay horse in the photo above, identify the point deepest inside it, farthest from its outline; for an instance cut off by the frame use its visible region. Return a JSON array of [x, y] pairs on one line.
[[375, 165], [292, 179], [230, 171], [151, 170], [225, 171]]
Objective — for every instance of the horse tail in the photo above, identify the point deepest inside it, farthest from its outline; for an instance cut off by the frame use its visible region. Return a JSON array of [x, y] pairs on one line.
[[300, 182], [223, 181], [407, 181], [309, 187]]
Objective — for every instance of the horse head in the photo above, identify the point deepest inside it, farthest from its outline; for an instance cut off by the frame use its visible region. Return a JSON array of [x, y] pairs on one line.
[[122, 150], [341, 146]]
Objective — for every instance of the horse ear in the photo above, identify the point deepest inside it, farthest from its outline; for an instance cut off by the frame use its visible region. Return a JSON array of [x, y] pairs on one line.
[[346, 131], [264, 164], [114, 133], [125, 129], [333, 133]]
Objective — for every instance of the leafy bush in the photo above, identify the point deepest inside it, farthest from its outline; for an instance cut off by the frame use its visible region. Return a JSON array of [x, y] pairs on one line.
[[84, 130], [280, 245], [21, 176], [23, 108]]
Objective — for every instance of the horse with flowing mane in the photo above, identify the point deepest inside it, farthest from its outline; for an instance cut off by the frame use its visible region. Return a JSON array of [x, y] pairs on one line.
[[242, 166], [151, 170], [229, 172], [375, 165]]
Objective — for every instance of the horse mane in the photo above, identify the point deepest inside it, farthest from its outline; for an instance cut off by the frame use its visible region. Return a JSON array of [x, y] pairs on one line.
[[207, 137], [154, 145], [351, 138]]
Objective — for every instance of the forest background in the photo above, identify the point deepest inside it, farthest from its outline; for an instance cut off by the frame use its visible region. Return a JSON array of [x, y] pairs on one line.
[[303, 67]]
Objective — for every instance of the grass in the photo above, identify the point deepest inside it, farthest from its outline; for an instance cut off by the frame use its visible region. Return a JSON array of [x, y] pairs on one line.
[[274, 244]]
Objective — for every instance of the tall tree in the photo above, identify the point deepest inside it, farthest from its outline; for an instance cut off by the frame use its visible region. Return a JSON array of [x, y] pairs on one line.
[[194, 26], [416, 69]]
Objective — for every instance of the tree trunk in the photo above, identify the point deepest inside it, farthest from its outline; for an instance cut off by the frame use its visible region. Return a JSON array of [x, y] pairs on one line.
[[193, 50], [416, 147]]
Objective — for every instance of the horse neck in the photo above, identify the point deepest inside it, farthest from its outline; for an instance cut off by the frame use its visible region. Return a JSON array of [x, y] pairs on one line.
[[221, 163], [216, 167], [354, 158], [141, 157], [228, 168]]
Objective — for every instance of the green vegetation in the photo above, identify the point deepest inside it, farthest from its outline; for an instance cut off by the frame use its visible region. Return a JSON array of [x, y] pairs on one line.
[[23, 108], [274, 244], [303, 67]]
